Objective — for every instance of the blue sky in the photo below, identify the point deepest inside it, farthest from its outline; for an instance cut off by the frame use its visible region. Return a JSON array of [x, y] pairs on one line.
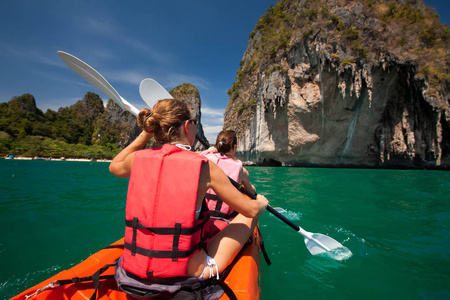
[[178, 41]]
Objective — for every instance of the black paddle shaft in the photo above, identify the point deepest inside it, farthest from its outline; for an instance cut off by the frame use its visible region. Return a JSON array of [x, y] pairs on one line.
[[269, 208], [202, 141]]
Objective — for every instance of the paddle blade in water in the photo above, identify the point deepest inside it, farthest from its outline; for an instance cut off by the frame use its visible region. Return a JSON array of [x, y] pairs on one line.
[[339, 253], [319, 243], [279, 209]]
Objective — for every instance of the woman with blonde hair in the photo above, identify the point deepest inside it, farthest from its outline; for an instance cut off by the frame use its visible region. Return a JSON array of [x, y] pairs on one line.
[[167, 220]]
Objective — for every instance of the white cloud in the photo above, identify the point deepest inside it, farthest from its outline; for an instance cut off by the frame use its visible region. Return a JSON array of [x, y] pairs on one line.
[[103, 53], [78, 81], [109, 28], [212, 122], [131, 77], [212, 117], [146, 50], [174, 79], [11, 51], [106, 27], [211, 132], [213, 112]]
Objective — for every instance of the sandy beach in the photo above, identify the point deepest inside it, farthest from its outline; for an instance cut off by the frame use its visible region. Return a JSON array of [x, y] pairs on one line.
[[57, 159]]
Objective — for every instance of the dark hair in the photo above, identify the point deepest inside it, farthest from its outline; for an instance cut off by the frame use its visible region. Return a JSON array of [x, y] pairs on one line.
[[162, 120], [225, 141]]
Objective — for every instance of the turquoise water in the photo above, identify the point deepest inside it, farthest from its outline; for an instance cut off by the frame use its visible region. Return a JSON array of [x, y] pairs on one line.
[[396, 223]]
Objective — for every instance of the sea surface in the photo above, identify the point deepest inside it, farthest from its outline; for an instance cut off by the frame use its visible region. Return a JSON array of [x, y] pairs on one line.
[[396, 223]]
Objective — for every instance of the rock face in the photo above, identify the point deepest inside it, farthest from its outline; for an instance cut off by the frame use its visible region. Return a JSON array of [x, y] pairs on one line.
[[190, 94], [24, 103], [358, 115], [309, 106], [123, 124]]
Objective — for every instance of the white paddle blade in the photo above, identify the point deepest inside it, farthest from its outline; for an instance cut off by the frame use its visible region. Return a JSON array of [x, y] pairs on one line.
[[319, 243], [151, 91], [128, 106], [91, 76]]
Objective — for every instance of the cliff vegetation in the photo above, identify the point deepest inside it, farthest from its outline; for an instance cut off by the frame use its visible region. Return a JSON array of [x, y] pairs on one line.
[[407, 31], [86, 129], [362, 83]]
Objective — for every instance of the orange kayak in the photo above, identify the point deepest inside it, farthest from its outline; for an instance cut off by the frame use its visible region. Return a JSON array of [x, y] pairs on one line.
[[244, 278]]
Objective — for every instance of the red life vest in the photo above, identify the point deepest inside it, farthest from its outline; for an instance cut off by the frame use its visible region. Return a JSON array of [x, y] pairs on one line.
[[161, 233], [231, 167]]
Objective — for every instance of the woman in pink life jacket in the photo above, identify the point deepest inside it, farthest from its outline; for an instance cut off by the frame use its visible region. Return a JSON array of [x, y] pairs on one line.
[[170, 176], [223, 155]]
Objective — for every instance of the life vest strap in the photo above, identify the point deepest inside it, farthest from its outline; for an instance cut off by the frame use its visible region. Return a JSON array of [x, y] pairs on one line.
[[176, 231], [218, 214], [212, 197], [176, 240], [163, 253], [135, 224]]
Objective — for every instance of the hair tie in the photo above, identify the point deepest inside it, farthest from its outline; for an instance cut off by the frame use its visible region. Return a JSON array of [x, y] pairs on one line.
[[146, 118], [221, 144]]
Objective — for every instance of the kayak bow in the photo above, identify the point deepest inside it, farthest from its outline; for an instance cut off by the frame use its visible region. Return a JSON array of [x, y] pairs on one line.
[[244, 278]]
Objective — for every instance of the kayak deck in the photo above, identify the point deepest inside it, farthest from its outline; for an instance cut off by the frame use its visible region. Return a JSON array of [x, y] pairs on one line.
[[244, 278]]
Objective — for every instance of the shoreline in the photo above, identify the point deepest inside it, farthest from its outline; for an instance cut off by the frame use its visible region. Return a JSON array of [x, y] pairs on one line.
[[250, 164], [56, 159]]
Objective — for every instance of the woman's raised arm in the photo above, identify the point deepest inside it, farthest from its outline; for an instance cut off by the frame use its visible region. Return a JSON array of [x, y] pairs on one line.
[[122, 163]]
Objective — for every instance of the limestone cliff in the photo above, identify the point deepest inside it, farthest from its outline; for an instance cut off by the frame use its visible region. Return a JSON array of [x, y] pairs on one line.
[[344, 83], [190, 94], [117, 126]]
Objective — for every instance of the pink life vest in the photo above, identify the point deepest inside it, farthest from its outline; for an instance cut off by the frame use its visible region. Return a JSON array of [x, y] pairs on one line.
[[162, 233], [231, 167]]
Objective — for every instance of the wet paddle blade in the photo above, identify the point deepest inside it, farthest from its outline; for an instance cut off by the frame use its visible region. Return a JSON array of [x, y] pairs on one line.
[[319, 243], [151, 91], [316, 243]]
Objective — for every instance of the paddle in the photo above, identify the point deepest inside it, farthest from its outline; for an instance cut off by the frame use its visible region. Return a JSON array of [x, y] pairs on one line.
[[316, 243], [97, 80], [151, 91]]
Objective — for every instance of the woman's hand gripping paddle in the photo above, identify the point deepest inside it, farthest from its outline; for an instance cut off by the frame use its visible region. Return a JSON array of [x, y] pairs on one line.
[[316, 243], [97, 80]]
